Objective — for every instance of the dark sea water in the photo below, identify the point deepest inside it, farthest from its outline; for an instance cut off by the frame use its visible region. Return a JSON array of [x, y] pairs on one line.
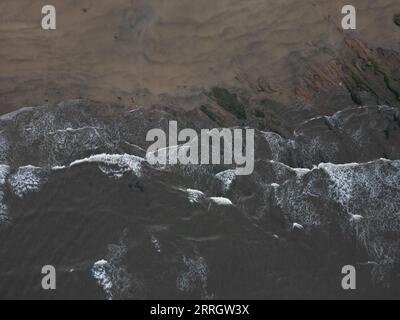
[[115, 227]]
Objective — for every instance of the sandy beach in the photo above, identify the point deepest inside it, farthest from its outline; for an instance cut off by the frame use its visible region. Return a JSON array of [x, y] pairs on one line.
[[126, 51]]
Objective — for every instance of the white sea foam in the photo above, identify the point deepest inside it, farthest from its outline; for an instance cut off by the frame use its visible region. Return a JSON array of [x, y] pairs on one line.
[[101, 272], [226, 177], [278, 145], [221, 201], [297, 226], [156, 243], [27, 179], [71, 130], [195, 273], [4, 172], [343, 178], [4, 148], [356, 218], [56, 168], [115, 164], [195, 196], [113, 276], [368, 195], [10, 116], [300, 172]]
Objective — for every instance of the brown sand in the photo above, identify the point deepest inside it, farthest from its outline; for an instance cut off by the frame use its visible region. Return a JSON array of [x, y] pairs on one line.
[[118, 50]]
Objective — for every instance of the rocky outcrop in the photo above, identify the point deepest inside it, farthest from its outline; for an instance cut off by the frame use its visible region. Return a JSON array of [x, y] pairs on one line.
[[396, 19]]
